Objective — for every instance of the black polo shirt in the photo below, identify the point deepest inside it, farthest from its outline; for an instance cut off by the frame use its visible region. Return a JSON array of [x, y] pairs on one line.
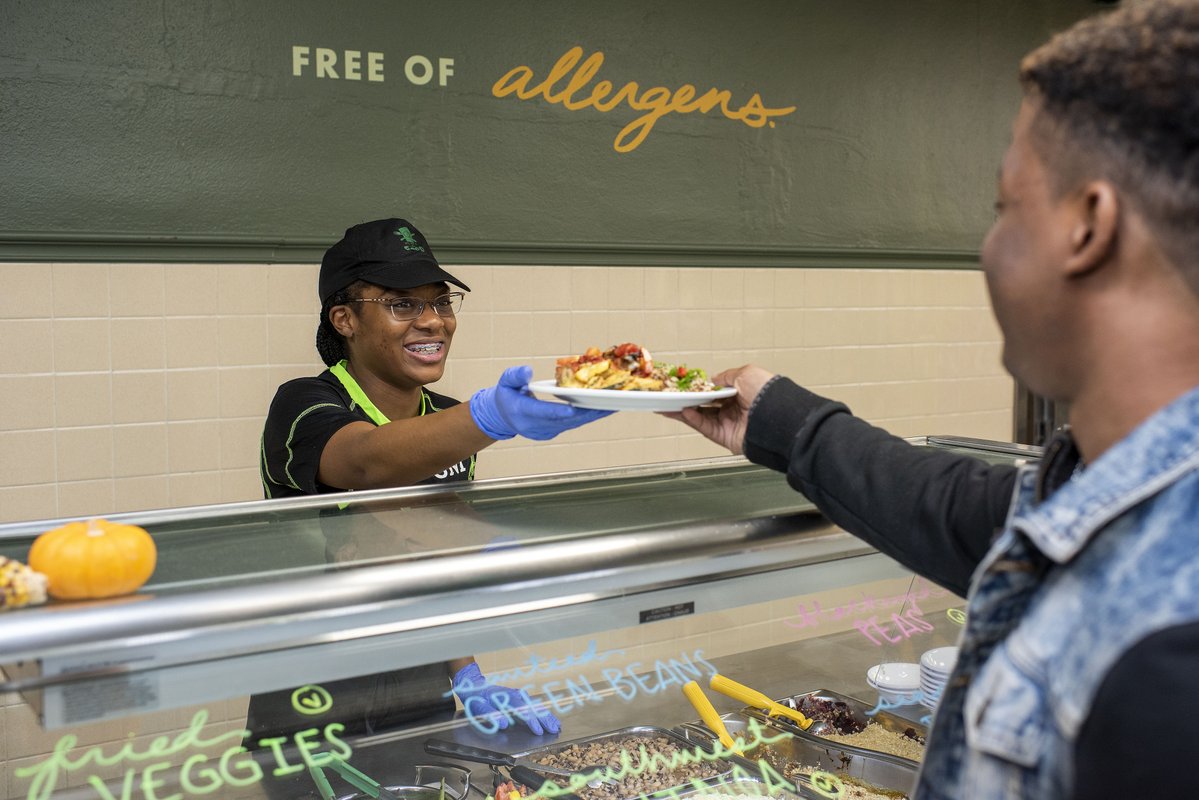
[[304, 415]]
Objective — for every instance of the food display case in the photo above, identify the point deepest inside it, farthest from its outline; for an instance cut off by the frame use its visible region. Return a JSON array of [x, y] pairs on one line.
[[280, 647]]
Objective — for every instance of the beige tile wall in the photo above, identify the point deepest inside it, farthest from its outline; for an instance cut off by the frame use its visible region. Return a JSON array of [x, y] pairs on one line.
[[131, 386]]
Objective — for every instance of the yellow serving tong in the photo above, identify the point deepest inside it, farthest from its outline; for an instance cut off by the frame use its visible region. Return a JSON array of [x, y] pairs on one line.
[[752, 697], [707, 712]]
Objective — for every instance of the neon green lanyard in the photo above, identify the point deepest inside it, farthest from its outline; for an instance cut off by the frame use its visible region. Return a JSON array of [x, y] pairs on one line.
[[361, 400]]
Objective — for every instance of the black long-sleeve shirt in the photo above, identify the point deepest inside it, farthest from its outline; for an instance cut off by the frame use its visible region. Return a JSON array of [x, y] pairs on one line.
[[937, 513]]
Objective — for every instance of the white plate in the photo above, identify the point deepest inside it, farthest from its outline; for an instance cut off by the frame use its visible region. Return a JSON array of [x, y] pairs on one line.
[[940, 659], [616, 400], [894, 676]]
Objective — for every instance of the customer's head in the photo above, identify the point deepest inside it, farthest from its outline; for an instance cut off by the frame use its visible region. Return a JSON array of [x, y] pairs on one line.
[[1103, 169], [1118, 97], [367, 279]]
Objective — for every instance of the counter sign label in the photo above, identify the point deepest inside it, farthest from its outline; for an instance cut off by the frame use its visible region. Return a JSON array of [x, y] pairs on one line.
[[667, 612]]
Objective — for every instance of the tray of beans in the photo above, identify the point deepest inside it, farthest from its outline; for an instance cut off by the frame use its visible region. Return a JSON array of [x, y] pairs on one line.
[[861, 774], [852, 725], [642, 761]]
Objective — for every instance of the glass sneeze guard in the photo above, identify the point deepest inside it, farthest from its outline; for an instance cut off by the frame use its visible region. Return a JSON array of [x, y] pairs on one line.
[[252, 597], [401, 571]]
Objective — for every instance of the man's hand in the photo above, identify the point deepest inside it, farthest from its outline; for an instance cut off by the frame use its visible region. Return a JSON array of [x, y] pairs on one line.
[[726, 425]]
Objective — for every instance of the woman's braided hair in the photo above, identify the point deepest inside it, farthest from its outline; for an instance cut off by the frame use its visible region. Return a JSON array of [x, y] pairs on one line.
[[330, 344]]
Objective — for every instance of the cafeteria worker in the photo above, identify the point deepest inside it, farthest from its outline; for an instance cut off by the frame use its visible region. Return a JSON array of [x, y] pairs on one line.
[[388, 317]]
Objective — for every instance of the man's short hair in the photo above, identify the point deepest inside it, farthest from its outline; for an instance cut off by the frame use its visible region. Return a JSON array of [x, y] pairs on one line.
[[1118, 98]]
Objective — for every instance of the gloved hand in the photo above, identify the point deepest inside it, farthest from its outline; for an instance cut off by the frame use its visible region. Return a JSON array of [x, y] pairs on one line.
[[481, 698], [509, 409]]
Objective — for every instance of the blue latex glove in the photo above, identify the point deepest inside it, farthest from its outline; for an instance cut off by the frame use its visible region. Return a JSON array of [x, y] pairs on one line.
[[509, 409], [483, 699]]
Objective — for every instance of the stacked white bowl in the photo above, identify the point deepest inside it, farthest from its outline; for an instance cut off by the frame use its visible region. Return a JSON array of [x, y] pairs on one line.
[[935, 666], [895, 681]]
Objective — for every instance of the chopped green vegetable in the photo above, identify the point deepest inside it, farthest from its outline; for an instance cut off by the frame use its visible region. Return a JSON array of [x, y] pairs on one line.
[[682, 375], [691, 376]]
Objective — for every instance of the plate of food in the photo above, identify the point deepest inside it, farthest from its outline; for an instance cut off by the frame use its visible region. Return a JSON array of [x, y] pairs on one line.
[[626, 378]]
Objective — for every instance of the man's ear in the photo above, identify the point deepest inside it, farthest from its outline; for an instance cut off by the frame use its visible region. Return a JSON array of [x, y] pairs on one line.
[[342, 320], [1095, 227]]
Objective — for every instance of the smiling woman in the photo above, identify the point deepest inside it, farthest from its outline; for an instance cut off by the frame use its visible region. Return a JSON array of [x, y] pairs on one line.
[[387, 323], [388, 318]]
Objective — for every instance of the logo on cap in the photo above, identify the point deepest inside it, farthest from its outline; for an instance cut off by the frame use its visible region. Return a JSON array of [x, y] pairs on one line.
[[406, 234]]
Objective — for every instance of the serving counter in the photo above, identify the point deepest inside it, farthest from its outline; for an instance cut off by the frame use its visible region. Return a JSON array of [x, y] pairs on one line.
[[599, 594]]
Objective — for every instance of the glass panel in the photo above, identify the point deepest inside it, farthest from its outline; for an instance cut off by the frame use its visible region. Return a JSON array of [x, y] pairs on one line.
[[279, 539], [611, 692], [609, 666]]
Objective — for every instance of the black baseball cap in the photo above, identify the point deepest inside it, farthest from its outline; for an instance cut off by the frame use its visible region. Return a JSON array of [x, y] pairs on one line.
[[388, 252]]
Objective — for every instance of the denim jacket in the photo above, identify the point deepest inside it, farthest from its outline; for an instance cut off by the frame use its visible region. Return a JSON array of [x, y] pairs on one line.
[[1080, 574]]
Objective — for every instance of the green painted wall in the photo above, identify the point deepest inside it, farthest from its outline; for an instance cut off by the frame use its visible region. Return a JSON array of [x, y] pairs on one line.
[[179, 130]]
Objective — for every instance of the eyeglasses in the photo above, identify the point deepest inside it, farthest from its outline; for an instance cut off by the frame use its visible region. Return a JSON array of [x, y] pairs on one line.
[[408, 308]]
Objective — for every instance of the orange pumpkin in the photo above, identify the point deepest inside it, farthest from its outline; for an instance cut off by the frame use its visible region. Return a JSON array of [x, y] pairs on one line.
[[94, 559]]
